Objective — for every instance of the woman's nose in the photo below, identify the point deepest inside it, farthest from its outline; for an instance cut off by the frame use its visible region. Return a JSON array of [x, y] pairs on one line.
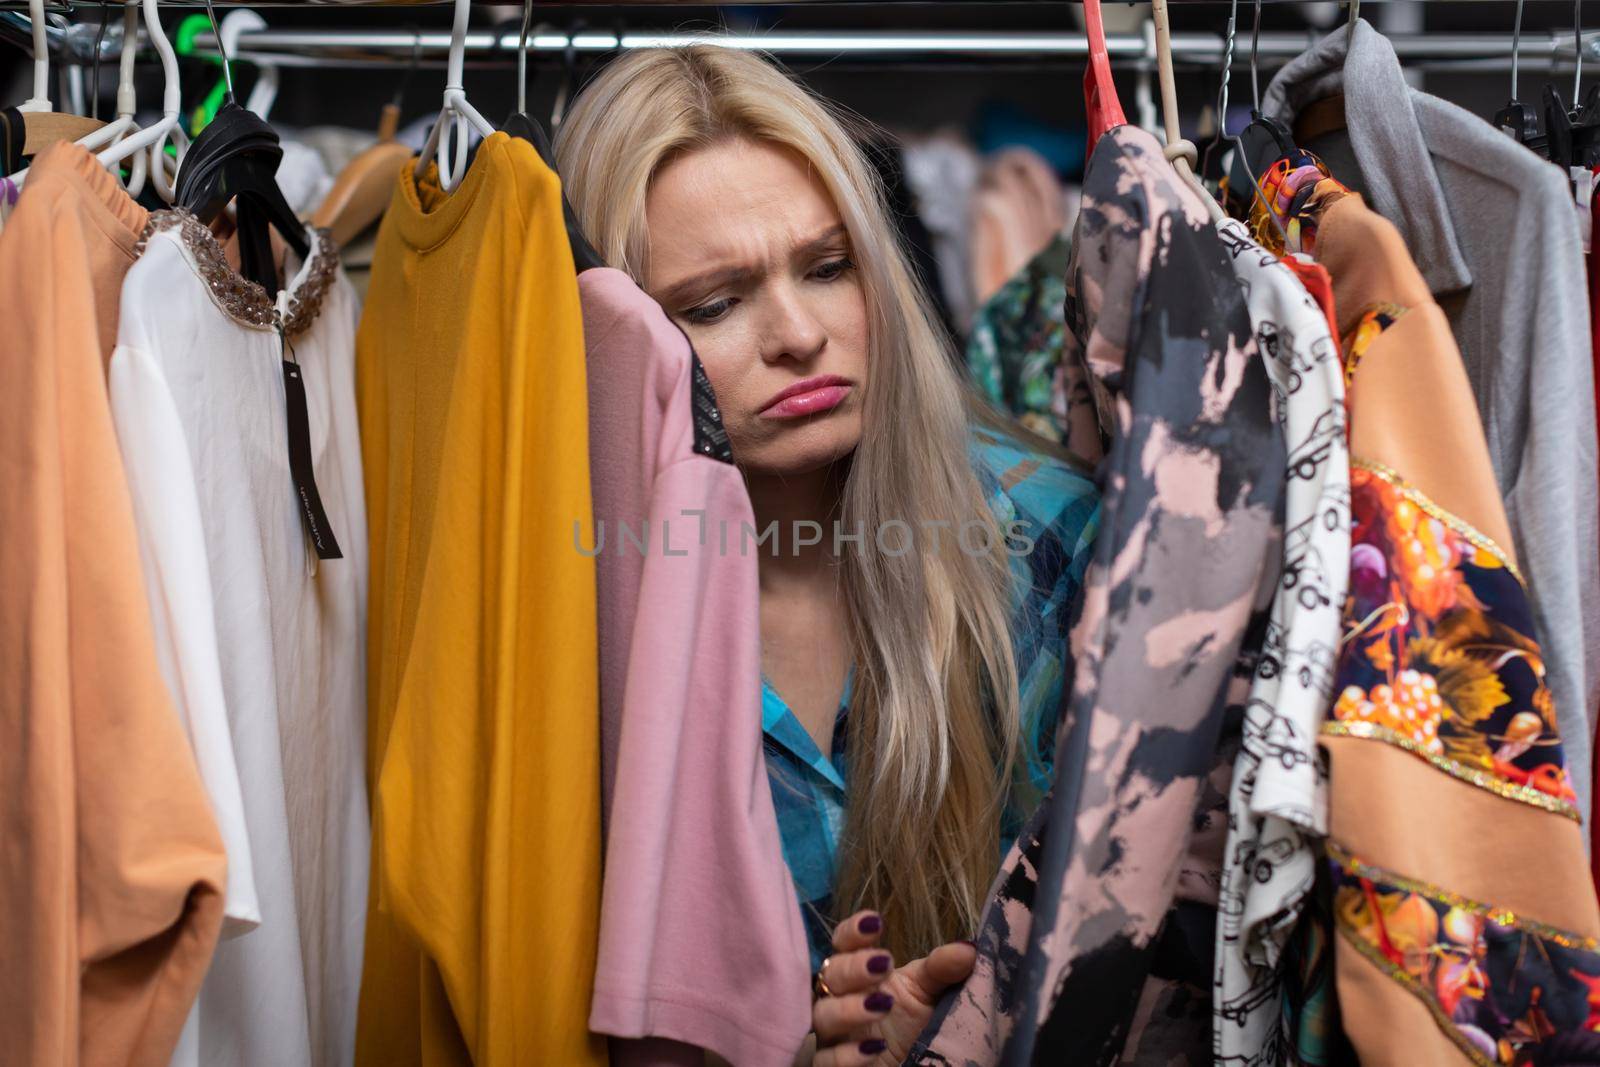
[[793, 332]]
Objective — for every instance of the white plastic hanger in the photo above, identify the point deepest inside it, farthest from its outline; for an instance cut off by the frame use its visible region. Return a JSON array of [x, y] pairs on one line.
[[125, 124], [1182, 154], [40, 100], [154, 137], [39, 103], [456, 110], [265, 90]]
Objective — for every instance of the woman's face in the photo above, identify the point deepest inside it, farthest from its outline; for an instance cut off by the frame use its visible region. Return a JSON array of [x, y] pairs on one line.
[[749, 255]]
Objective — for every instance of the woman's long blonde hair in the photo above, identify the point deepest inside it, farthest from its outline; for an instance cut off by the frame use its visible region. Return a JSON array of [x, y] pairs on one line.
[[934, 719]]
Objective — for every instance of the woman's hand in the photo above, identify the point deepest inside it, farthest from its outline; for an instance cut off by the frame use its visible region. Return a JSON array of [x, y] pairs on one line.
[[875, 1011]]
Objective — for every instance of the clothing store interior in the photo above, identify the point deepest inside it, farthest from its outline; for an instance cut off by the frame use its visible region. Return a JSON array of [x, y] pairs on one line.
[[825, 533]]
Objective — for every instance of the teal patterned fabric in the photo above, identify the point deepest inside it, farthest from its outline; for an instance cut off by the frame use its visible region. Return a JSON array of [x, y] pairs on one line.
[[1048, 503], [1015, 343]]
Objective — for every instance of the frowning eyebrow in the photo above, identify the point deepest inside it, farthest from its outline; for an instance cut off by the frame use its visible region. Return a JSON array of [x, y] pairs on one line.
[[686, 290]]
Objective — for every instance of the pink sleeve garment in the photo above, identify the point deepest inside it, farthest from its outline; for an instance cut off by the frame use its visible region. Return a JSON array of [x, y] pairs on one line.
[[700, 938]]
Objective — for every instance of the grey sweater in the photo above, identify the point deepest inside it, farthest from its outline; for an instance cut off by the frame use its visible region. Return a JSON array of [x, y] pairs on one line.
[[1493, 230]]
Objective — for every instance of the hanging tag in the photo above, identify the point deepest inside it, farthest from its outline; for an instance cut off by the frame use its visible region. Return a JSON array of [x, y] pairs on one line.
[[305, 482], [1583, 196]]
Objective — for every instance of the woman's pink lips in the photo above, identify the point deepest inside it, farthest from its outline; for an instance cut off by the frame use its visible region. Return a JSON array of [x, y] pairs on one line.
[[810, 402]]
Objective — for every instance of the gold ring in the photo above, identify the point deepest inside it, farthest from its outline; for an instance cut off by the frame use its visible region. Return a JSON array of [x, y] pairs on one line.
[[822, 979]]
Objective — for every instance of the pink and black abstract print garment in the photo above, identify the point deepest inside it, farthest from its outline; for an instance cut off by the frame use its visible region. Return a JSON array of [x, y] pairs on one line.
[[1161, 352]]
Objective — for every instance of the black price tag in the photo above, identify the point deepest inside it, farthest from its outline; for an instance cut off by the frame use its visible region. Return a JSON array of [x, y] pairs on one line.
[[305, 481]]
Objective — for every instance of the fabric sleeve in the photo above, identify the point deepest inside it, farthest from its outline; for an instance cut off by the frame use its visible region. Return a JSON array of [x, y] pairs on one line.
[[173, 552], [1550, 498], [701, 940], [1187, 528], [111, 869]]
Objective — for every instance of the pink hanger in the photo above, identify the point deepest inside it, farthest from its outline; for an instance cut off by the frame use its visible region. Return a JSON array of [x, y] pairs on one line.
[[1099, 91]]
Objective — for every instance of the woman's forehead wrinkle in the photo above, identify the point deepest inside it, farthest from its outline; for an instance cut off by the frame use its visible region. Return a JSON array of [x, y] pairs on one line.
[[734, 206]]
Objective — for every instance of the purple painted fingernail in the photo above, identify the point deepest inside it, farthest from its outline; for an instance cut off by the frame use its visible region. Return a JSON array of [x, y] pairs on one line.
[[878, 965], [879, 1002], [870, 924], [873, 1046]]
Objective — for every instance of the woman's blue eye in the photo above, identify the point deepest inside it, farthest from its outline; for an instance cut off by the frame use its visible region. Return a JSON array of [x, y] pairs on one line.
[[708, 313], [833, 269]]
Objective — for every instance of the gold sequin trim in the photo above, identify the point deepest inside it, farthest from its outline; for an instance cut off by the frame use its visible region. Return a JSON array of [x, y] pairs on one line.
[[1359, 339], [1460, 526], [242, 299], [1350, 864], [1371, 731], [1407, 981]]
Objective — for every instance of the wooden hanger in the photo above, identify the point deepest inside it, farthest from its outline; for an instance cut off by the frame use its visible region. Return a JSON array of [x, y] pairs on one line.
[[45, 128], [1320, 118], [1326, 116], [361, 192], [1181, 153]]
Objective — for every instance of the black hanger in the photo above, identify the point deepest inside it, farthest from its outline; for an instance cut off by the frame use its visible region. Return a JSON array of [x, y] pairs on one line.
[[1586, 130], [1262, 143], [522, 126], [1265, 141], [1517, 119], [525, 127], [1257, 148], [1571, 137], [236, 157]]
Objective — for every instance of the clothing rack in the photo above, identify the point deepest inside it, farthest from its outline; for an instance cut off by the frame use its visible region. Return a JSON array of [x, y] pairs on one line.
[[335, 47]]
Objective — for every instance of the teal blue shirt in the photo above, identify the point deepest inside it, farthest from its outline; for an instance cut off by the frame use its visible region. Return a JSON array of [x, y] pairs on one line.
[[1058, 510]]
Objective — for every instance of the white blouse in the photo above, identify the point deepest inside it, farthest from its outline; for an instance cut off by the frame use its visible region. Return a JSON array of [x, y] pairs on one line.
[[262, 643], [1277, 803]]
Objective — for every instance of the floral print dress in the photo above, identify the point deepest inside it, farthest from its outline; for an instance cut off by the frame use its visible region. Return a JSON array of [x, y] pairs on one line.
[[1015, 344], [1456, 918]]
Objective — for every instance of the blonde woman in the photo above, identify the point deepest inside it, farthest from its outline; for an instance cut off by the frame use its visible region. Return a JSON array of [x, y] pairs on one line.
[[925, 553]]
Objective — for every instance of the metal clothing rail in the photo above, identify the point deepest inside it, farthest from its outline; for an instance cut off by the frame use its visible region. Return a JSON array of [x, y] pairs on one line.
[[68, 6], [313, 47], [1203, 48]]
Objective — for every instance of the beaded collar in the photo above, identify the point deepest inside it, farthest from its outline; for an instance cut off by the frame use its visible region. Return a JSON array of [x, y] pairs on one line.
[[242, 299]]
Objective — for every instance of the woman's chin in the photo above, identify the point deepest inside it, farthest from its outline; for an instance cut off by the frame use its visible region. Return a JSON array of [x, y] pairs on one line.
[[801, 452]]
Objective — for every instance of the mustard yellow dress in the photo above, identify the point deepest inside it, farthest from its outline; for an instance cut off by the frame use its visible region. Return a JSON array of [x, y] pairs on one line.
[[483, 715]]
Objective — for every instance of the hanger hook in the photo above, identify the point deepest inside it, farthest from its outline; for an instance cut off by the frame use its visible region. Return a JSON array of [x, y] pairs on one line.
[[94, 81], [1238, 139], [569, 59], [411, 66], [1577, 49], [1355, 16], [1255, 49], [1222, 88], [1227, 68], [216, 31], [1516, 48], [522, 58]]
